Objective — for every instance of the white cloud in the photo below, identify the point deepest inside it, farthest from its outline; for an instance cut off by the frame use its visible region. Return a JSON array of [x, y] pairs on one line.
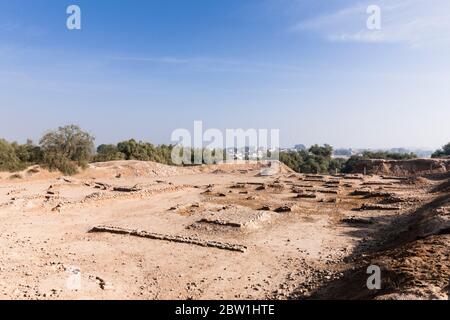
[[414, 22]]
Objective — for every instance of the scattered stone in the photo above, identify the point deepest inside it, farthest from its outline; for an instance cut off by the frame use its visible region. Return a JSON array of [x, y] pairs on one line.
[[365, 207], [283, 209], [127, 189], [171, 238], [101, 186], [372, 183], [355, 220], [306, 196]]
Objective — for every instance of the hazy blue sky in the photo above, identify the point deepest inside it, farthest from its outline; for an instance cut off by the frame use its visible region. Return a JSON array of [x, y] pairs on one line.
[[308, 67]]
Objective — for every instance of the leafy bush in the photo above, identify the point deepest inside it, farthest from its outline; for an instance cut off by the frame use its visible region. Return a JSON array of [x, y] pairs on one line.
[[66, 149], [9, 161], [317, 159], [444, 152], [388, 155], [28, 153], [351, 163], [145, 151], [108, 152]]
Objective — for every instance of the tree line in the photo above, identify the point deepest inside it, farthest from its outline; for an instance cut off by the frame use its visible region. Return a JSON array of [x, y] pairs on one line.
[[442, 153], [316, 159], [69, 149]]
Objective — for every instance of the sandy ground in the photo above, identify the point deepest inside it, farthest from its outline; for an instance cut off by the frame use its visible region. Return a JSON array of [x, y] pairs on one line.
[[301, 233]]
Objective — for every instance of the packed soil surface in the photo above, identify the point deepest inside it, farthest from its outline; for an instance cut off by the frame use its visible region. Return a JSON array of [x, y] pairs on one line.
[[140, 230]]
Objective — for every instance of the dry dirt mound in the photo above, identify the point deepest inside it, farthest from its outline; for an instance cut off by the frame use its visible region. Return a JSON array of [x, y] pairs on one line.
[[418, 181], [442, 187], [417, 270], [134, 168], [402, 167], [29, 174], [130, 168], [272, 167], [414, 259], [101, 170]]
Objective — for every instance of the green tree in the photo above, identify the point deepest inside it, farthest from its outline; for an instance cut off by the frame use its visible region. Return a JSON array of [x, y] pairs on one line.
[[326, 151], [66, 149], [444, 152], [388, 155], [145, 151], [28, 153], [9, 161], [317, 159], [108, 152]]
